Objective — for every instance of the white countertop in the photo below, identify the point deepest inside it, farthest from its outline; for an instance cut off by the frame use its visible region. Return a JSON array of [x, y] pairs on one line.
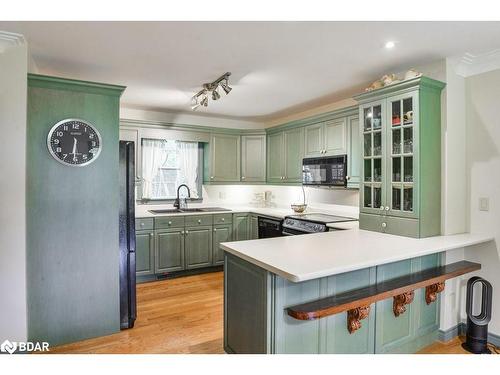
[[311, 256], [142, 211]]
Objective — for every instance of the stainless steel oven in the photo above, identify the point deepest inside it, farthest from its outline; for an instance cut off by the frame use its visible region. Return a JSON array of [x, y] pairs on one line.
[[327, 171]]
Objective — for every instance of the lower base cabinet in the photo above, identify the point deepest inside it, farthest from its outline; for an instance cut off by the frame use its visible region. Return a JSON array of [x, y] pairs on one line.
[[221, 233], [262, 297], [241, 227], [169, 250], [198, 246], [144, 252]]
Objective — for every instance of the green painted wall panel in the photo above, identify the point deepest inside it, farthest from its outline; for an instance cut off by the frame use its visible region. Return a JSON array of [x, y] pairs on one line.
[[72, 218]]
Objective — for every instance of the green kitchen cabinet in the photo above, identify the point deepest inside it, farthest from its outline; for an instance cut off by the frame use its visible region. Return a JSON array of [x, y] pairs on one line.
[[169, 254], [221, 233], [401, 158], [253, 158], [241, 227], [144, 252], [225, 154], [275, 157], [418, 325], [353, 152], [326, 138], [198, 246], [263, 297], [254, 227], [285, 151]]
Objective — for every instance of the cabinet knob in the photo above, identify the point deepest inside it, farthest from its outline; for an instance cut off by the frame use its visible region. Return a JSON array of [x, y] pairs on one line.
[[186, 233], [215, 229], [182, 232], [223, 219], [151, 235], [211, 177], [142, 224], [242, 177], [387, 208], [384, 225], [169, 223], [199, 221]]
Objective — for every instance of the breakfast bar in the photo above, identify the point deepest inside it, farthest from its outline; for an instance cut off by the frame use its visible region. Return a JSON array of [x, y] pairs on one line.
[[350, 291]]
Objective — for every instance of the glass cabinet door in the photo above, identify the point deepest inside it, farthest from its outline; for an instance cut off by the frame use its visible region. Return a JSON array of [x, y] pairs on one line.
[[401, 137], [372, 156]]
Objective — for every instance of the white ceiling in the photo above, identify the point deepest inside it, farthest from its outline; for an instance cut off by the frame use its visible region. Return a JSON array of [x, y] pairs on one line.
[[278, 68]]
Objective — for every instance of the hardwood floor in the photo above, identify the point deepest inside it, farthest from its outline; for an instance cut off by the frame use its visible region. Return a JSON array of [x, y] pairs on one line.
[[184, 315], [181, 315]]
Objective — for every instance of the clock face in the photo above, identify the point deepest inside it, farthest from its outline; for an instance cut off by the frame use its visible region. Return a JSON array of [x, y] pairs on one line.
[[74, 142]]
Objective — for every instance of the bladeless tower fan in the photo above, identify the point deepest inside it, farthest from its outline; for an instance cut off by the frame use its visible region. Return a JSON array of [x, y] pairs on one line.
[[477, 325]]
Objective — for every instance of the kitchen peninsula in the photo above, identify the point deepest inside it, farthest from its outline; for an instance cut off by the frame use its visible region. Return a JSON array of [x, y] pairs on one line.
[[263, 278]]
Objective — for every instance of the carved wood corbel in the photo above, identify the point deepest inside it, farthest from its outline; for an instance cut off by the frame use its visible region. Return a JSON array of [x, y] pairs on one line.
[[355, 316], [400, 301], [431, 291]]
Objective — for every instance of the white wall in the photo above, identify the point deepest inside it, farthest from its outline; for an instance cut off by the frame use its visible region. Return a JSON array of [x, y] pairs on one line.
[[483, 176], [13, 90]]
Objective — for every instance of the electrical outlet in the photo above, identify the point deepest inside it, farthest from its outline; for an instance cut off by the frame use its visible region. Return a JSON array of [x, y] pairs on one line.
[[484, 204]]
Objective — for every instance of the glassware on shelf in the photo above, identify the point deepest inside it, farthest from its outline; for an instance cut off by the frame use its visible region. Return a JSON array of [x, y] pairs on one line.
[[367, 196], [408, 169], [377, 117], [368, 170], [396, 141], [408, 199], [377, 170], [377, 197], [396, 198], [368, 114], [407, 111], [408, 141], [377, 143], [396, 113], [368, 144], [396, 169]]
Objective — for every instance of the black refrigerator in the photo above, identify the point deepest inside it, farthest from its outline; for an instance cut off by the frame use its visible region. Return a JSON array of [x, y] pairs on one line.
[[128, 310]]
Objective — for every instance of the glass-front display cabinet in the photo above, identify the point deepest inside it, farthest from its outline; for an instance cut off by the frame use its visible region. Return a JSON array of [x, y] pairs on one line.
[[400, 191]]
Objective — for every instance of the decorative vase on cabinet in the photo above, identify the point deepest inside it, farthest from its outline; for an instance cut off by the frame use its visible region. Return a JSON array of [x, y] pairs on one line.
[[400, 130]]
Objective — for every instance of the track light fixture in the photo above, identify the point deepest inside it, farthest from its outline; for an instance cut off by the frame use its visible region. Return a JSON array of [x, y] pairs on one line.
[[201, 98]]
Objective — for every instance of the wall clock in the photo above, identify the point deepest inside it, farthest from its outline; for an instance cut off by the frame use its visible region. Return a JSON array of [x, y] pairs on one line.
[[74, 142]]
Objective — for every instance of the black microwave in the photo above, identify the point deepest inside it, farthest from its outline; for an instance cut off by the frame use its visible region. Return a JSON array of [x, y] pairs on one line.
[[326, 171]]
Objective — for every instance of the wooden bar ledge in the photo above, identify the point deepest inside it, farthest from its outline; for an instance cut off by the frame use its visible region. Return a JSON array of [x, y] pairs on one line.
[[357, 302]]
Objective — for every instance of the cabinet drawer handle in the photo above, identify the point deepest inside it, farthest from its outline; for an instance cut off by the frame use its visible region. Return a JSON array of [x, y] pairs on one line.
[[384, 225]]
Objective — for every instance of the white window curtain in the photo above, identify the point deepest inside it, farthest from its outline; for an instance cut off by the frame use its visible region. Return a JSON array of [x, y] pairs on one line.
[[188, 166], [166, 164], [154, 155]]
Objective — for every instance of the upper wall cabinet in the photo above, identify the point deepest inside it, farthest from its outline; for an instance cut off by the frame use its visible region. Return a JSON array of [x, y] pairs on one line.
[[285, 150], [253, 158], [225, 153], [401, 151], [353, 152], [326, 138], [235, 158]]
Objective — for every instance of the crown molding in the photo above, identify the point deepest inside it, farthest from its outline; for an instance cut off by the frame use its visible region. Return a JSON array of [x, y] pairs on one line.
[[471, 64], [10, 39]]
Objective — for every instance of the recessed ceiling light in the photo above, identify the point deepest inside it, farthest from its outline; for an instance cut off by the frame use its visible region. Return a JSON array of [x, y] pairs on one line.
[[390, 44]]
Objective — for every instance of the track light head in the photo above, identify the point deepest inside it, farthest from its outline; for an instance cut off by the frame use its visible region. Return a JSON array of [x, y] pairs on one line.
[[215, 94], [226, 87], [204, 101]]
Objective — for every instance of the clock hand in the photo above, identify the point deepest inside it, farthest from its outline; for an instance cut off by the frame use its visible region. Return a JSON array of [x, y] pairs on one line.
[[74, 146]]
